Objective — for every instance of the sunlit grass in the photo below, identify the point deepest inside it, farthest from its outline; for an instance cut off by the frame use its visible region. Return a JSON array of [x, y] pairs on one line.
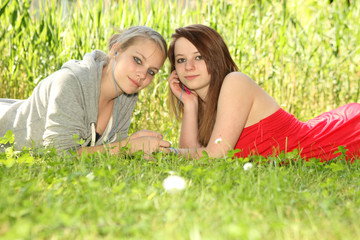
[[305, 54], [97, 196]]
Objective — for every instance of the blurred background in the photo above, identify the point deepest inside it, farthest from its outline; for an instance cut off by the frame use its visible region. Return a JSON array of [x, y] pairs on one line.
[[305, 54]]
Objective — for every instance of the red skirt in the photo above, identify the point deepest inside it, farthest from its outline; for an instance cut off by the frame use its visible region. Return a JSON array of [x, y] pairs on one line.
[[317, 138]]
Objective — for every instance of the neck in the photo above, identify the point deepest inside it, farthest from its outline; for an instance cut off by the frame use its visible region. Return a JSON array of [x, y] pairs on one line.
[[108, 88], [202, 94]]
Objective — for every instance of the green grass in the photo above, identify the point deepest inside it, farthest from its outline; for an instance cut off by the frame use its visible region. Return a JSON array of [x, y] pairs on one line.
[[305, 54], [100, 196]]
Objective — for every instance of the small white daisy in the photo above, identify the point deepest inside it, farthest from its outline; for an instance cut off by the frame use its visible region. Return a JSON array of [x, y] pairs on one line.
[[172, 183], [248, 166], [218, 140], [90, 176], [16, 153]]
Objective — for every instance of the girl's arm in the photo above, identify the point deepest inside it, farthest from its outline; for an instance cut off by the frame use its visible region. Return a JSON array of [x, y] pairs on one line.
[[189, 127], [241, 103], [145, 140]]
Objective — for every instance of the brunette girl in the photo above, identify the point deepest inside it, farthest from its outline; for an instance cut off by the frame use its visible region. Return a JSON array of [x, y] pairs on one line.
[[225, 109]]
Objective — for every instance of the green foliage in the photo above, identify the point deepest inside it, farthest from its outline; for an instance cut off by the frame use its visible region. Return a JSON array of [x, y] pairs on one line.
[[78, 140], [306, 55], [303, 53], [8, 138], [10, 156], [102, 196]]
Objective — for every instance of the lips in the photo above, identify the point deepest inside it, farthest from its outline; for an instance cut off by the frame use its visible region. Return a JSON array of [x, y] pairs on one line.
[[136, 84], [191, 77]]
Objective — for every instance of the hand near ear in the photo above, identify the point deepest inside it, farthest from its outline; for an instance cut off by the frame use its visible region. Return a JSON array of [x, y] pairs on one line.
[[177, 89]]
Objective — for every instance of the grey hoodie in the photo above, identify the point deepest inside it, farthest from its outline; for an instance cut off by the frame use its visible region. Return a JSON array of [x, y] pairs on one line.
[[63, 105]]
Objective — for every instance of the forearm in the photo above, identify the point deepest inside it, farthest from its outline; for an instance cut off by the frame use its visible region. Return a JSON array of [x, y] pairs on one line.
[[189, 127], [219, 151], [197, 153], [112, 148], [189, 153], [148, 142]]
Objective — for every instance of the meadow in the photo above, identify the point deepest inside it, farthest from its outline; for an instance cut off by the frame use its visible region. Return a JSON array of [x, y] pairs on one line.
[[306, 54]]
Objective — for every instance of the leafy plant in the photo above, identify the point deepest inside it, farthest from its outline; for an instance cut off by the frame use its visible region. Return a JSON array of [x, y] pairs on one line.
[[304, 54]]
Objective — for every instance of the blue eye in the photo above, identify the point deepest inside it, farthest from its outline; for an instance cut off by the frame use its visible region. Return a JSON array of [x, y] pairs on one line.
[[137, 60], [151, 72]]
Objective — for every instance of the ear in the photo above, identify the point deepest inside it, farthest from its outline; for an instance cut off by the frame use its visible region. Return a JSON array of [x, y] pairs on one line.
[[114, 50], [114, 46]]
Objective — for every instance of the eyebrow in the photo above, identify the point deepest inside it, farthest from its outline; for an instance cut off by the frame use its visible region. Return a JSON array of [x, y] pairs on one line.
[[141, 55], [179, 54], [155, 68]]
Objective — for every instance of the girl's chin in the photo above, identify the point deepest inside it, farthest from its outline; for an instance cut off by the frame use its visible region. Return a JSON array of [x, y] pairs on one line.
[[131, 91]]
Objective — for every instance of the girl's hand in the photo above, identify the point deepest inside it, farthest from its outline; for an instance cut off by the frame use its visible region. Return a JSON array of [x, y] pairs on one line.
[[146, 133], [147, 144], [177, 88], [145, 140]]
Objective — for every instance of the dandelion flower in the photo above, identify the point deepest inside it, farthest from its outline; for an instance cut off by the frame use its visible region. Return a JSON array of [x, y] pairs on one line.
[[248, 166], [218, 140], [172, 183]]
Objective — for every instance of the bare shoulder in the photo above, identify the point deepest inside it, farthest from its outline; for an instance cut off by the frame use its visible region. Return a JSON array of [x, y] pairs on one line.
[[238, 81], [240, 90], [237, 75]]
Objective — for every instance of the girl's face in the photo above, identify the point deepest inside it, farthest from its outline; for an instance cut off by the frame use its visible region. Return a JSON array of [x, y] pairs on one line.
[[191, 67], [136, 66]]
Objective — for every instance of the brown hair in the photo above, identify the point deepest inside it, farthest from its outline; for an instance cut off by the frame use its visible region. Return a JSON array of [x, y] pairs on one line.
[[219, 63]]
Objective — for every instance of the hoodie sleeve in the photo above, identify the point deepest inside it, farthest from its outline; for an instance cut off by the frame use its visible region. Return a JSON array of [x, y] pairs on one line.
[[66, 113]]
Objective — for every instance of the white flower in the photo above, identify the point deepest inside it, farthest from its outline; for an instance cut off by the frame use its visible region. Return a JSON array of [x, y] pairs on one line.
[[172, 183], [171, 173], [90, 176], [248, 166], [218, 140], [16, 153]]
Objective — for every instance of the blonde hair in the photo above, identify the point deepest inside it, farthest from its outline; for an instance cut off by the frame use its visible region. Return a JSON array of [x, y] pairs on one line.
[[128, 37]]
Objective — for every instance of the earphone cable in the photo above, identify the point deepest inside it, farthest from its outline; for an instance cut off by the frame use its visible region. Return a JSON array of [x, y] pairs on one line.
[[117, 93]]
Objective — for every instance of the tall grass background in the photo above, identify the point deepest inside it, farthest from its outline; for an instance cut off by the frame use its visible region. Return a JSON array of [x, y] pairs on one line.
[[305, 54]]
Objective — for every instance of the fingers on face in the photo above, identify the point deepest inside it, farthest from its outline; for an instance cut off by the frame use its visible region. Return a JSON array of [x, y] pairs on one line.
[[173, 76]]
